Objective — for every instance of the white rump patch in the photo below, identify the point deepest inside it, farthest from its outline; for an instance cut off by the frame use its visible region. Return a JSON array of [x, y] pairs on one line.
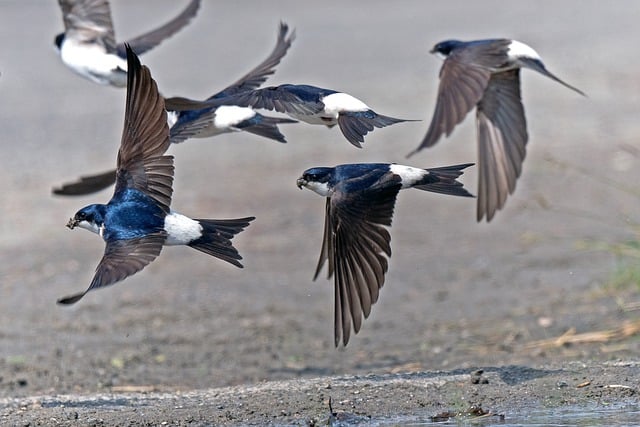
[[336, 103], [228, 116], [172, 118], [321, 188], [520, 50], [181, 230], [408, 174]]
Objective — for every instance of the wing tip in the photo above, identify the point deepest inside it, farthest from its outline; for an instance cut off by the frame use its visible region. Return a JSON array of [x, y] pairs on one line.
[[71, 299]]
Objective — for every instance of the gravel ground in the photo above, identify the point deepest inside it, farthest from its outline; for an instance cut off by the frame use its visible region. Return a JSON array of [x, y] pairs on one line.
[[192, 340]]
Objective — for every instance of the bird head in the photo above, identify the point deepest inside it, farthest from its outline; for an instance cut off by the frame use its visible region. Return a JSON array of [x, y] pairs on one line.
[[444, 48], [317, 180], [90, 218]]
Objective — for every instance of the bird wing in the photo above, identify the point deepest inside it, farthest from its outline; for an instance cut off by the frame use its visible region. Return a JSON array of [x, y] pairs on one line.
[[180, 103], [145, 138], [355, 243], [462, 84], [89, 21], [87, 184], [122, 258], [290, 99], [502, 140], [256, 77], [193, 117], [147, 41]]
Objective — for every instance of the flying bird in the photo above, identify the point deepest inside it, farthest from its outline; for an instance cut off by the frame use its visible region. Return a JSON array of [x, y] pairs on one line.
[[318, 106], [138, 221], [88, 45], [360, 200], [486, 74], [200, 119], [219, 119]]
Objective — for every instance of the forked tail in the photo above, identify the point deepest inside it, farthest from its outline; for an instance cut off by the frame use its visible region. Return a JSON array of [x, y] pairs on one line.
[[444, 180], [267, 127], [217, 235]]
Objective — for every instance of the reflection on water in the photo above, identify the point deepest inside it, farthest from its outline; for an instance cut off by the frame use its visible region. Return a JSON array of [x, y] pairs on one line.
[[558, 417]]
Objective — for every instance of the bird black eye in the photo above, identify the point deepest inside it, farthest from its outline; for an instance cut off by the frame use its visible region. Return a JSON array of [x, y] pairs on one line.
[[81, 216]]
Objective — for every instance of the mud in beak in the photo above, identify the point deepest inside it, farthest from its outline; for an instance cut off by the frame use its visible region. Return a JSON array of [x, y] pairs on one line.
[[72, 223], [301, 182]]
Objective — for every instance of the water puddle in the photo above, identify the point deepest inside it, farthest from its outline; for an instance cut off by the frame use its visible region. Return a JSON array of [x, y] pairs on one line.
[[558, 417]]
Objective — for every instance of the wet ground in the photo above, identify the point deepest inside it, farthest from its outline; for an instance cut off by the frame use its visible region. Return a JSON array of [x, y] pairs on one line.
[[459, 296]]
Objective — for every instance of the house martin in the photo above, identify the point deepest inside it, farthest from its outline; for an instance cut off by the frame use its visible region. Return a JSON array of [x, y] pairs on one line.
[[318, 106], [200, 119], [88, 44], [360, 200], [486, 74], [219, 119], [137, 221]]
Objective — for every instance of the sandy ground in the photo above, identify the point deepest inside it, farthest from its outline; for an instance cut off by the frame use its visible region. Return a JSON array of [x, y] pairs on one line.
[[459, 296]]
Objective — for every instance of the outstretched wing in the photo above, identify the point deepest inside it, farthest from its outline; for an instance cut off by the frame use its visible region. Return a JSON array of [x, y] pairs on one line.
[[464, 77], [149, 40], [461, 87], [122, 258], [145, 138], [256, 77], [291, 99], [502, 140], [357, 245], [87, 184]]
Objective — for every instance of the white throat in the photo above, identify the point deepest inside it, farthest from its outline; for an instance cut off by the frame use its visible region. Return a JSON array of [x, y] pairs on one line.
[[321, 188], [92, 226]]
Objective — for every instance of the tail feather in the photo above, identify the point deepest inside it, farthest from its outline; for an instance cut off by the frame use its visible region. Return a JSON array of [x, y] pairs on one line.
[[356, 124], [217, 235], [268, 128], [443, 180]]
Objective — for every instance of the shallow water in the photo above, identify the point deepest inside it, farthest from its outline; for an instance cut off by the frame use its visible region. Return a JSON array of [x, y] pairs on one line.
[[558, 417]]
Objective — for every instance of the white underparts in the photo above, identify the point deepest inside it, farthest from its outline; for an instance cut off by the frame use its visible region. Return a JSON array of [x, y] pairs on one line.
[[93, 62], [408, 174], [181, 230]]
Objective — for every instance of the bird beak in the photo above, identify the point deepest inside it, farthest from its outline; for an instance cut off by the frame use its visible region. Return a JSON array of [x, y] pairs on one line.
[[432, 50], [72, 223], [301, 182]]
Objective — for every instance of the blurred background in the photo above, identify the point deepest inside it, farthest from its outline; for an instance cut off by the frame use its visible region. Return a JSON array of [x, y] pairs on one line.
[[561, 256]]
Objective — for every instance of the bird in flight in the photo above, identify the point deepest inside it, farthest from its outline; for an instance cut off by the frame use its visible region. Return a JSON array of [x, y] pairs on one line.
[[88, 45], [216, 119], [200, 119], [486, 74], [318, 106], [137, 222], [360, 200]]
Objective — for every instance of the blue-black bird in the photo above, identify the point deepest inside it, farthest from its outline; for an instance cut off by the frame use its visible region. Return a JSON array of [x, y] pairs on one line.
[[217, 119], [360, 200], [486, 74], [200, 119], [318, 106], [138, 221], [88, 45]]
